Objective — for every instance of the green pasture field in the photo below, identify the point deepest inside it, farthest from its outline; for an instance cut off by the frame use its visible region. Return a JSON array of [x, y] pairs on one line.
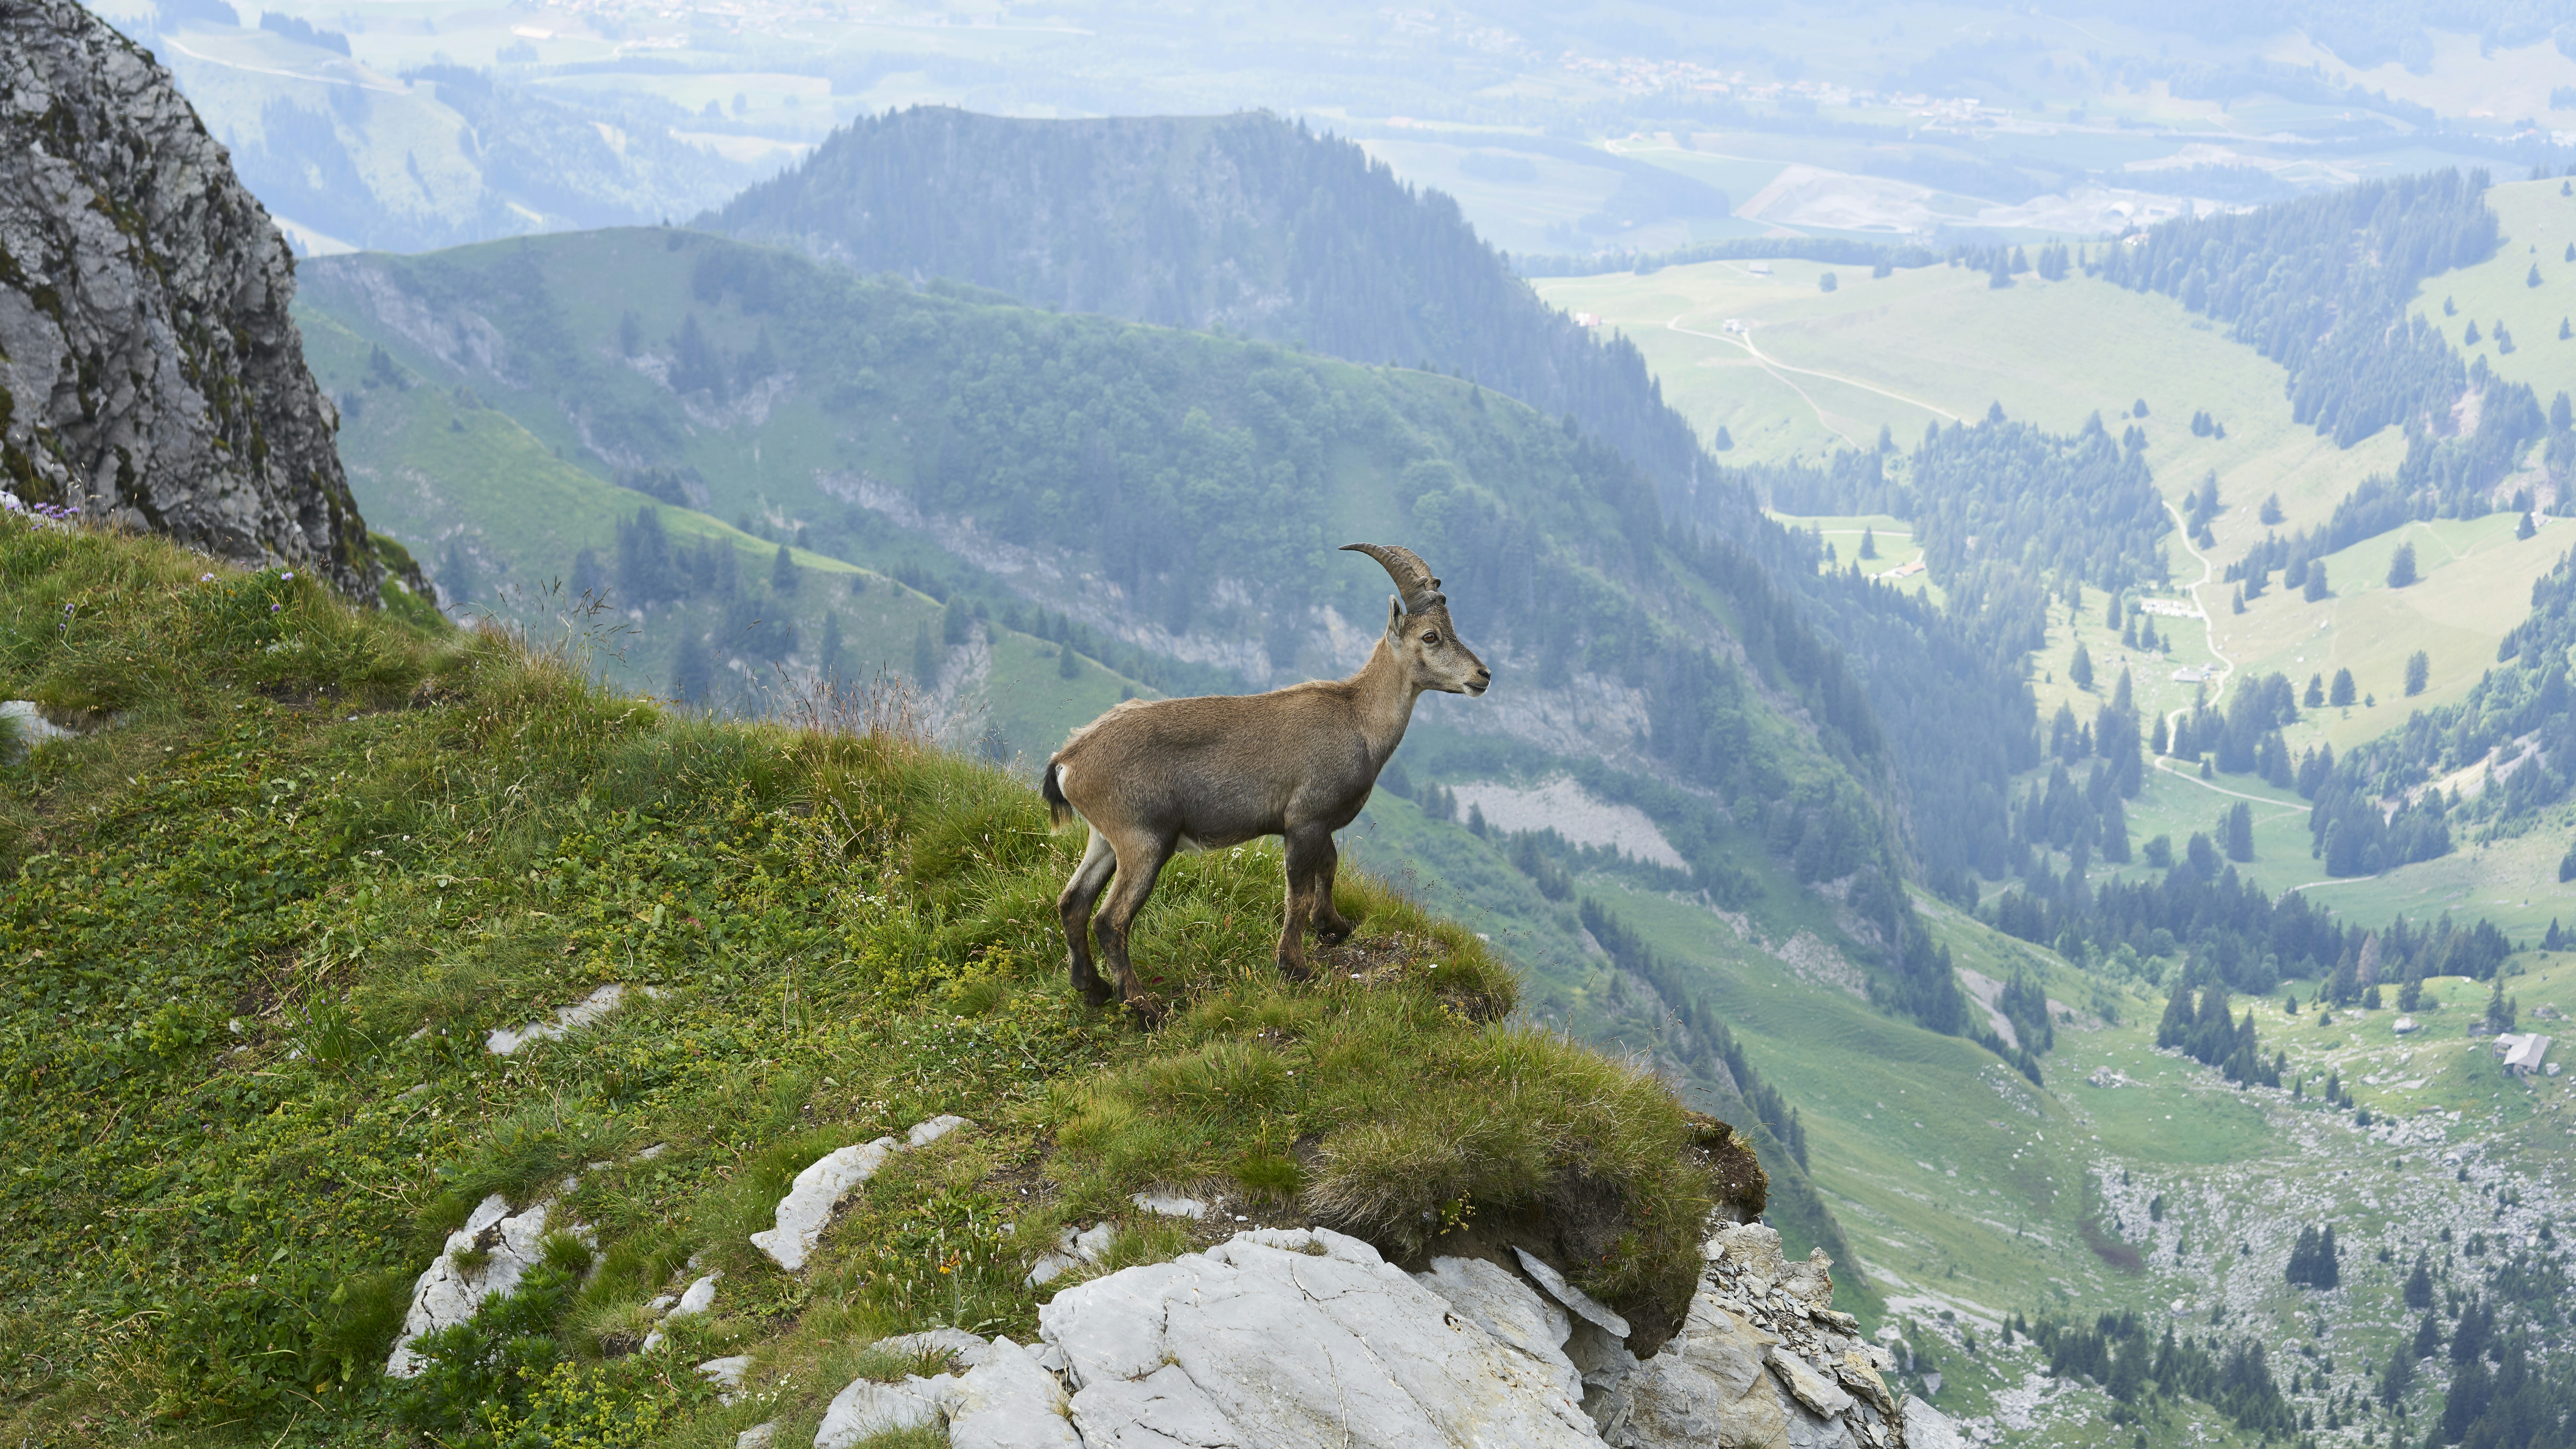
[[1937, 344], [2538, 226], [1892, 538], [1514, 215]]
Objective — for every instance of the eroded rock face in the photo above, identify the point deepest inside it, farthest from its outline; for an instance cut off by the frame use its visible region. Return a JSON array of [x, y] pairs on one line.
[[1762, 1360], [1295, 1337], [149, 371], [1288, 1339]]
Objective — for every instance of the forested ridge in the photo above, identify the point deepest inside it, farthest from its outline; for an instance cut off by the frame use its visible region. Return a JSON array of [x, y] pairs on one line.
[[2010, 516], [2518, 719], [1247, 223], [2321, 285]]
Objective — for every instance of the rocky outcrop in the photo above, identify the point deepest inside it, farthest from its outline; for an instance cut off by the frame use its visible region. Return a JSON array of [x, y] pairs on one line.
[[1763, 1359], [483, 1259], [149, 371], [807, 1207], [1292, 1338]]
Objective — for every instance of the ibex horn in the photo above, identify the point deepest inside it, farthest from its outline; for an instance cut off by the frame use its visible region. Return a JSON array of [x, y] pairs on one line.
[[1413, 580]]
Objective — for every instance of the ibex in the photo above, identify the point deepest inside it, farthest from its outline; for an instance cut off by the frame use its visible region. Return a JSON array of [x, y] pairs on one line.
[[1218, 770]]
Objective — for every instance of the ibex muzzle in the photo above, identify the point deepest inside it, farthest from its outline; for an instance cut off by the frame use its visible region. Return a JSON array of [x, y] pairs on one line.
[[1218, 770]]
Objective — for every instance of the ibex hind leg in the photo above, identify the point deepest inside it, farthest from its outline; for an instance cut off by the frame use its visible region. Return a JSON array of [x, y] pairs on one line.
[[1073, 908], [1140, 863]]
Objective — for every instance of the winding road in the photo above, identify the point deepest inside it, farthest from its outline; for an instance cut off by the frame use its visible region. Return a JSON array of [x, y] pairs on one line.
[[1777, 368]]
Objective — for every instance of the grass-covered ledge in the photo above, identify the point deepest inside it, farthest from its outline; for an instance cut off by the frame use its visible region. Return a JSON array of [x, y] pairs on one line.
[[257, 922]]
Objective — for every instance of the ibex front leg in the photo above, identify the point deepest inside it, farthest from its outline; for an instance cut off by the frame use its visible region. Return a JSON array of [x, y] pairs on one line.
[[1310, 870], [1331, 927]]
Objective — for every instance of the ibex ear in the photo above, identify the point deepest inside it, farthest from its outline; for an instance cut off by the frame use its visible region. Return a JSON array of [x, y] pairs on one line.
[[1394, 615]]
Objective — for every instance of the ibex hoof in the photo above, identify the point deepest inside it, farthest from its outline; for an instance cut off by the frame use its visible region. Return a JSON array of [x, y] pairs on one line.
[[1295, 970], [1148, 1009]]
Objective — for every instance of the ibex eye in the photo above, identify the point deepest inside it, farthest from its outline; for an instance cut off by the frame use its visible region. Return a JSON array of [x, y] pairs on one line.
[[1430, 638]]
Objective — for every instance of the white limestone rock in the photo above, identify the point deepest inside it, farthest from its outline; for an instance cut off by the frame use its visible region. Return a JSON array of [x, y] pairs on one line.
[[1290, 1338], [808, 1205], [1488, 1296], [810, 1200], [22, 729], [868, 1408], [1584, 1305], [700, 1296], [505, 1040], [1008, 1402], [1706, 1386], [963, 1348], [726, 1374], [1171, 1207], [1072, 1250], [1928, 1428], [1812, 1388], [1762, 1361], [925, 1133], [757, 1436], [449, 1292]]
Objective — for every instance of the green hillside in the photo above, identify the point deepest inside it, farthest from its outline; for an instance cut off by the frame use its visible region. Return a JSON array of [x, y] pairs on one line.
[[489, 509], [1248, 223], [1138, 481], [264, 912]]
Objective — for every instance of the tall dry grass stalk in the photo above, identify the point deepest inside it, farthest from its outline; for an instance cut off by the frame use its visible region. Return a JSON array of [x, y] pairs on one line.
[[887, 707]]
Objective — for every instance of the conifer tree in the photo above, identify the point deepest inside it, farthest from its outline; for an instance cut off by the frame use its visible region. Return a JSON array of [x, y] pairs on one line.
[[2239, 828], [2419, 1284], [925, 659]]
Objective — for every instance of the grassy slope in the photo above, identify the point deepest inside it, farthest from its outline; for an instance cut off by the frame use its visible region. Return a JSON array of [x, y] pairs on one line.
[[2538, 225], [258, 927], [769, 466]]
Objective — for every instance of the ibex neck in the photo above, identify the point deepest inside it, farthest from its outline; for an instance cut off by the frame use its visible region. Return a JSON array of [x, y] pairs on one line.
[[1386, 699]]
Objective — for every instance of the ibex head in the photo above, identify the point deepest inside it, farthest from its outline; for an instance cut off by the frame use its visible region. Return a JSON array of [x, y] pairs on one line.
[[1418, 631]]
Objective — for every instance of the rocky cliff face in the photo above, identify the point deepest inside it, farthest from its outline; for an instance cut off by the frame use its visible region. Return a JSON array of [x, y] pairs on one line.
[[149, 372]]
